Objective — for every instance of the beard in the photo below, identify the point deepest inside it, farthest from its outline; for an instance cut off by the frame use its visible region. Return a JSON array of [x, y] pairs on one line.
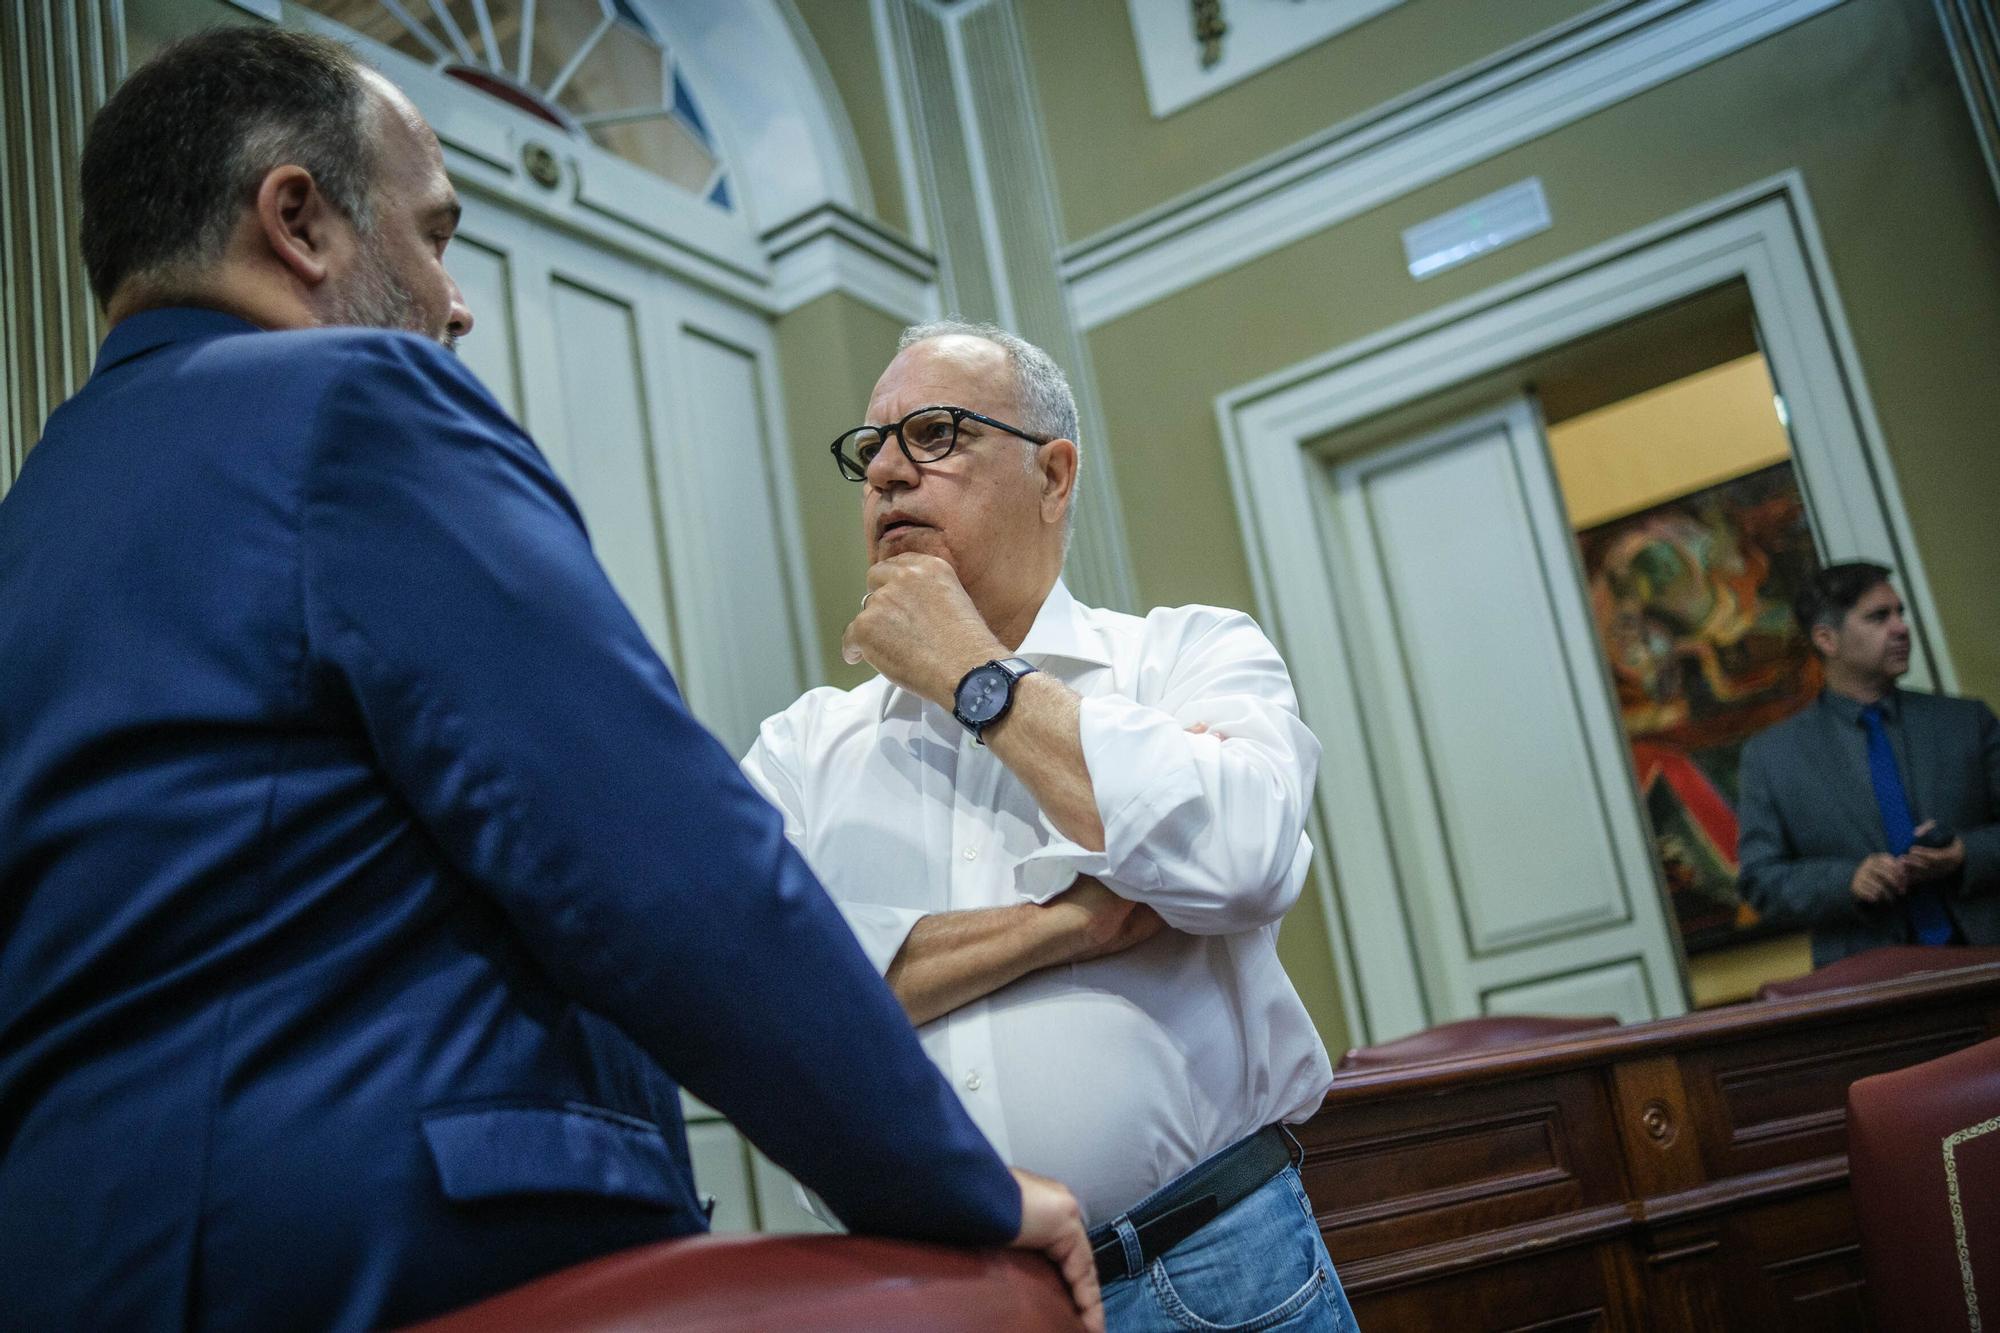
[[373, 297]]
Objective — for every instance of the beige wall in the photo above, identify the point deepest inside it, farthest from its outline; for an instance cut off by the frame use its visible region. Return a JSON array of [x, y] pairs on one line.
[[1861, 100], [830, 353], [1112, 159], [846, 42]]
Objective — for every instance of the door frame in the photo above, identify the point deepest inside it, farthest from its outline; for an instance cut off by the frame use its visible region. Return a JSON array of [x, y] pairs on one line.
[[1274, 435]]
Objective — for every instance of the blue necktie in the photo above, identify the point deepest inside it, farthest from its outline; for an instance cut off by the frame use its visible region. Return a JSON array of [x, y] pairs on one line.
[[1929, 923]]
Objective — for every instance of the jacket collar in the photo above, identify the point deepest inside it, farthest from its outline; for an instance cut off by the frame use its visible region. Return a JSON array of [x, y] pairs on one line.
[[1849, 711], [149, 330], [1062, 634]]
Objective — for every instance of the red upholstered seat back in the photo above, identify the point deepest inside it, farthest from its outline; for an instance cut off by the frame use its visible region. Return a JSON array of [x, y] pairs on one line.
[[1923, 1149], [1470, 1035], [750, 1284], [1884, 964]]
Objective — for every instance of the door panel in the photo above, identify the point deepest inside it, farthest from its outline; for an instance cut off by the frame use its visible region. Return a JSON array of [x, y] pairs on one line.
[[492, 351], [1620, 988], [602, 370], [1495, 763], [1476, 634]]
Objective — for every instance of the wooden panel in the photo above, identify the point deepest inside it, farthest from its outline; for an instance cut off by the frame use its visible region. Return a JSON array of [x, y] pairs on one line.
[[1687, 1174], [1476, 1161], [1783, 1099], [1572, 1290]]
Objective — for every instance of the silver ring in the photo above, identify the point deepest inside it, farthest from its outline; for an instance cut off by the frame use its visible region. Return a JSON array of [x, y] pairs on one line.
[[866, 595]]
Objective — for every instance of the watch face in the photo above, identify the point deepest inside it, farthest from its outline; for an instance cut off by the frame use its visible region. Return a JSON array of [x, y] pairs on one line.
[[983, 694]]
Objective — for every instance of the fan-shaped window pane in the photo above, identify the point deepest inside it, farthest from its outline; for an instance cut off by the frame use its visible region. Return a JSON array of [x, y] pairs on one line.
[[594, 67]]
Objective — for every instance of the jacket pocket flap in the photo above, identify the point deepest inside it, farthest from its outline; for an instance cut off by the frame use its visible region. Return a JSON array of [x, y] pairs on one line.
[[494, 1152]]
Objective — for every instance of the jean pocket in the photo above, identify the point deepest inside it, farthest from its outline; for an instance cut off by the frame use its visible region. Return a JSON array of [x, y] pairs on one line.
[[498, 1152], [1177, 1309]]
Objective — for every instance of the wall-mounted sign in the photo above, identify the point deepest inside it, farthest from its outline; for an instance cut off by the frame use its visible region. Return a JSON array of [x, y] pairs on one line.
[[1464, 234]]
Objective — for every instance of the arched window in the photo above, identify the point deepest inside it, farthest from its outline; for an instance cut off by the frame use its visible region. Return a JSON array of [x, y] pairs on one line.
[[597, 69]]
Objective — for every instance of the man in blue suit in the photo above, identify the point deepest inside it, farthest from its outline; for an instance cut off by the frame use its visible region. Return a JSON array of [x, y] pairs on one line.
[[1873, 815], [362, 874]]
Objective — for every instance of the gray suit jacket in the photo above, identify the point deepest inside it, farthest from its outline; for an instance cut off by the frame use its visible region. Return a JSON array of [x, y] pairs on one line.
[[1808, 816]]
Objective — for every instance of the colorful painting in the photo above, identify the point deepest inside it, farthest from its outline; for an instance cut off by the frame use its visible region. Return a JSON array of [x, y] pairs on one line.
[[1693, 606]]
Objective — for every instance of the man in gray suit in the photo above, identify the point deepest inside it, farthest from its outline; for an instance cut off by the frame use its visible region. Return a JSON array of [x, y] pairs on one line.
[[1872, 816]]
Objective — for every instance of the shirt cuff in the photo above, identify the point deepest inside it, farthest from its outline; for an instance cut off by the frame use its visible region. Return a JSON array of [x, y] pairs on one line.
[[881, 930]]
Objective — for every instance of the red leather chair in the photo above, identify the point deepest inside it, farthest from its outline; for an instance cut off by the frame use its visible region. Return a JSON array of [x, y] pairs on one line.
[[1923, 1154], [753, 1284], [1884, 964], [1469, 1036]]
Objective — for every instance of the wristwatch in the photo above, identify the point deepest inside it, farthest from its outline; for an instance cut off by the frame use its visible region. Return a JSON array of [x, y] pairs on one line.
[[986, 693]]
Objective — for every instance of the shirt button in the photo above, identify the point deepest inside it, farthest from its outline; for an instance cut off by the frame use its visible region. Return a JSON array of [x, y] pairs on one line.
[[971, 853], [973, 1081]]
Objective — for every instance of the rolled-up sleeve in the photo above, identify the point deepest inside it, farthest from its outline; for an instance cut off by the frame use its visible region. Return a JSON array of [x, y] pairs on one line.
[[1207, 829]]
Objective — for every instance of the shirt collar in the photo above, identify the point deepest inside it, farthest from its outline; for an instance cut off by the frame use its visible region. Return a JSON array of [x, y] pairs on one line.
[[136, 335], [1062, 633], [1849, 710]]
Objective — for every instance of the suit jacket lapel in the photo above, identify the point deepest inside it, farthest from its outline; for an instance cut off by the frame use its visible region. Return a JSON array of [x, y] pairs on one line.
[[1920, 749]]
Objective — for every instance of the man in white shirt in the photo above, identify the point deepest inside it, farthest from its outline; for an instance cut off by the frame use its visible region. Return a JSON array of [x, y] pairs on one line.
[[1066, 836]]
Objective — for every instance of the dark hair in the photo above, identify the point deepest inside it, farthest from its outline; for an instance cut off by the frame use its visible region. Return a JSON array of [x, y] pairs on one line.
[[177, 152], [1829, 595]]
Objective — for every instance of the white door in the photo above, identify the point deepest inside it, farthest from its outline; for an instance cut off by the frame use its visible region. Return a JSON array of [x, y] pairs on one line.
[[653, 404], [1494, 765]]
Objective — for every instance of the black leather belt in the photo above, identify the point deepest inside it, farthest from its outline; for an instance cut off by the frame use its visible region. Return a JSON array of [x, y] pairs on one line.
[[1190, 1202]]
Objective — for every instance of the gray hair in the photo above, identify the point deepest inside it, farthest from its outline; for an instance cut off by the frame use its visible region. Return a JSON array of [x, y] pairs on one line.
[[1047, 406]]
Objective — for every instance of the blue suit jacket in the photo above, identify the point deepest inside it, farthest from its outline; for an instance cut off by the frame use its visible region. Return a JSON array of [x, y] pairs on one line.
[[362, 874]]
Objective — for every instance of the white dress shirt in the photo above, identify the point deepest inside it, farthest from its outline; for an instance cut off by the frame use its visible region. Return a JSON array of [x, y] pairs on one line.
[[1115, 1075]]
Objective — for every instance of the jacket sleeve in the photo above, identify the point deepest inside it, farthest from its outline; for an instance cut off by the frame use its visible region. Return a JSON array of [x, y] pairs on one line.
[[513, 702], [1982, 841], [1784, 886], [1208, 830]]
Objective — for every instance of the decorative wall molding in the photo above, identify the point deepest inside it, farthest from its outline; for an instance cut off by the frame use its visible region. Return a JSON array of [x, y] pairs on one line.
[[831, 249], [986, 182], [1972, 31], [1601, 58]]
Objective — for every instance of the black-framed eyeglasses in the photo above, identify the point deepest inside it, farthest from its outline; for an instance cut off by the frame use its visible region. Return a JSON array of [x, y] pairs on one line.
[[924, 436]]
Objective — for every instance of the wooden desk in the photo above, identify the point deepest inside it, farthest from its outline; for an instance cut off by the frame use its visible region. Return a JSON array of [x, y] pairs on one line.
[[1685, 1174]]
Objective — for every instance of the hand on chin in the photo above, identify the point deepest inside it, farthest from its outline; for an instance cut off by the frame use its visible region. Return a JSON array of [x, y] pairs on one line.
[[916, 625]]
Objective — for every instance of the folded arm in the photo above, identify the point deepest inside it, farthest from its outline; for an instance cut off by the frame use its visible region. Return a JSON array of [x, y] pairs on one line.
[[950, 959]]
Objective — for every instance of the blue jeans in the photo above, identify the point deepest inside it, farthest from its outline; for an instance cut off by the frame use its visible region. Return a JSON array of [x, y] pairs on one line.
[[1260, 1265]]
